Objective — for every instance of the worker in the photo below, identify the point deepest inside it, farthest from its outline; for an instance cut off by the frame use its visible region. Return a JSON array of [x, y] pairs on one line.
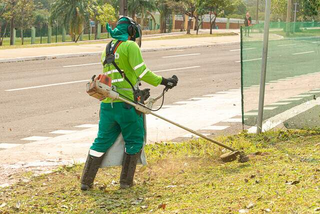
[[116, 116]]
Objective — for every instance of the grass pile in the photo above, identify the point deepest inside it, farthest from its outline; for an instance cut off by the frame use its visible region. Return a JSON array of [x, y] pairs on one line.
[[282, 176]]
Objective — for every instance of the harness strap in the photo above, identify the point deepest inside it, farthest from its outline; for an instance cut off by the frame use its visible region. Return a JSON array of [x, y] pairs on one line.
[[112, 50]]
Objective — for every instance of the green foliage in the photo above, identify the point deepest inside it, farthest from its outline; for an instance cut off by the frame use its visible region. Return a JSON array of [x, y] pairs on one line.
[[237, 7], [72, 13], [102, 13]]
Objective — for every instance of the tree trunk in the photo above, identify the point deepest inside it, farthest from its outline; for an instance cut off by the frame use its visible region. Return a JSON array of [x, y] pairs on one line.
[[196, 24], [21, 35], [154, 20], [142, 17], [2, 35], [163, 23], [133, 15], [96, 29], [189, 26], [11, 30]]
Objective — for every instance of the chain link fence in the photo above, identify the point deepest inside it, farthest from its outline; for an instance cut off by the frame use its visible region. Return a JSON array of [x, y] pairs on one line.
[[292, 90]]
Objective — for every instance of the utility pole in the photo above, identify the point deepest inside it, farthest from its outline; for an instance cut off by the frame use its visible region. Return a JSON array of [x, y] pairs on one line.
[[289, 7], [123, 11], [264, 66], [12, 31]]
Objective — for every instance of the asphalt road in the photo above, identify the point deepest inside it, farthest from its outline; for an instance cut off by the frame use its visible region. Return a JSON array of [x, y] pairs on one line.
[[39, 97]]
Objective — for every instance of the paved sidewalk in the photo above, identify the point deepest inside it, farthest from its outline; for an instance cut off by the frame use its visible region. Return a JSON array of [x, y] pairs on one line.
[[38, 53], [42, 156]]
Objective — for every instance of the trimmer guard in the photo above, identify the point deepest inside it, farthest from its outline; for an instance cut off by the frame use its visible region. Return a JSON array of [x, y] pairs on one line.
[[114, 155]]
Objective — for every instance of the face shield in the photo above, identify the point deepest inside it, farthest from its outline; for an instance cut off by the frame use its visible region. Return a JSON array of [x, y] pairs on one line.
[[139, 38]]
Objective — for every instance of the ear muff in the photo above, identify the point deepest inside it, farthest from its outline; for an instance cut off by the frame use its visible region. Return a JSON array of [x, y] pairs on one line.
[[132, 25], [132, 30]]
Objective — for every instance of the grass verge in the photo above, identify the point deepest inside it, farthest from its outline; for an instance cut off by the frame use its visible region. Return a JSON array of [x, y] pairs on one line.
[[104, 41], [283, 176]]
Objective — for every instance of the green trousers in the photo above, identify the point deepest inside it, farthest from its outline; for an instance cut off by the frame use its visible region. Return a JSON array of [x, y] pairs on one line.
[[119, 118]]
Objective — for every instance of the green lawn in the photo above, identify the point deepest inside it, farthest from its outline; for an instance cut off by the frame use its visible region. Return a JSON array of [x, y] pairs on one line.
[[27, 41], [54, 39], [282, 176]]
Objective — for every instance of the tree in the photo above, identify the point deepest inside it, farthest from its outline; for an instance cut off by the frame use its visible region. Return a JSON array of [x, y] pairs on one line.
[[101, 14], [24, 16], [187, 7], [3, 22], [73, 14], [140, 7], [215, 8], [163, 6], [41, 19], [200, 11], [9, 14], [310, 8], [237, 7]]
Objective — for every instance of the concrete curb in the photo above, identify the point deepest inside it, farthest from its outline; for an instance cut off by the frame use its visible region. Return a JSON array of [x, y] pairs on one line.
[[73, 55]]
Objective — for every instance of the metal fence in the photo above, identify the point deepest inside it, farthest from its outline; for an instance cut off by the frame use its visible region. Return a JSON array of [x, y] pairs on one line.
[[52, 34], [292, 93]]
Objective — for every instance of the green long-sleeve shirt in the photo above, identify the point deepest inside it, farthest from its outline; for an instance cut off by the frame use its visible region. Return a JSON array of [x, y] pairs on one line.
[[129, 59]]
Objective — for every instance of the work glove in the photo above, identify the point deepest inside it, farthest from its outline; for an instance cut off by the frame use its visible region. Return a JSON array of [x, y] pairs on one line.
[[170, 82]]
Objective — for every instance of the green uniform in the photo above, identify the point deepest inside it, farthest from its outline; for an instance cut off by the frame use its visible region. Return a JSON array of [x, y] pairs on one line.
[[115, 116]]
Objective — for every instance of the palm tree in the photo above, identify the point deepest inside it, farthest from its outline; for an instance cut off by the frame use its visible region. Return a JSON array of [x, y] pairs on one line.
[[72, 13], [140, 7]]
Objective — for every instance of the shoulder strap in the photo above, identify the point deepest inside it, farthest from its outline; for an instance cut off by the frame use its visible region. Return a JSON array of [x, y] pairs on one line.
[[110, 51]]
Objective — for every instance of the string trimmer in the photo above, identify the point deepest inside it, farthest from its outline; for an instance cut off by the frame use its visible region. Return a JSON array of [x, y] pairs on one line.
[[101, 88]]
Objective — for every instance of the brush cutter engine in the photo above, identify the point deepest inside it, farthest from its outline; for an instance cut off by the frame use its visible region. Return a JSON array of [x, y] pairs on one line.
[[101, 88]]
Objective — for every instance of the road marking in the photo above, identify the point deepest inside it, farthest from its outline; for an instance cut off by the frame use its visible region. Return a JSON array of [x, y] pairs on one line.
[[63, 132], [81, 81], [177, 69], [36, 138], [233, 120], [88, 64], [87, 126], [251, 113], [197, 98], [287, 45], [303, 95], [279, 103], [292, 99], [49, 85], [183, 55], [245, 49], [300, 53], [280, 118], [270, 108], [251, 60], [215, 128], [8, 145]]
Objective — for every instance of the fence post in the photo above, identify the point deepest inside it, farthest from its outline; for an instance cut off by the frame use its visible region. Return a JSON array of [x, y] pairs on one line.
[[98, 31], [33, 35], [228, 23], [14, 36], [49, 33], [63, 34]]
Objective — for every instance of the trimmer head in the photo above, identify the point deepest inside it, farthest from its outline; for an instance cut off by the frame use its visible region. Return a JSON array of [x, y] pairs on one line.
[[232, 156]]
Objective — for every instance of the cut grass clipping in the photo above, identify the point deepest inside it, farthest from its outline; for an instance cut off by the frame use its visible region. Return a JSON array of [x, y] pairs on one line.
[[282, 176]]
